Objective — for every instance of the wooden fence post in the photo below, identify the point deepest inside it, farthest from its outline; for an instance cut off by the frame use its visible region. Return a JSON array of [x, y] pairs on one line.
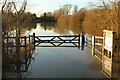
[[29, 39], [86, 42], [119, 30], [79, 41], [34, 39], [25, 48], [25, 43], [82, 41], [83, 37], [7, 42], [82, 46], [93, 45]]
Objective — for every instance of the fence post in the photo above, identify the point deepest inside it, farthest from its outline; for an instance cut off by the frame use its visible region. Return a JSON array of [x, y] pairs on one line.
[[82, 41], [86, 42], [83, 38], [34, 39], [119, 30], [7, 42], [93, 45], [25, 43], [25, 40], [79, 41], [25, 49], [29, 39]]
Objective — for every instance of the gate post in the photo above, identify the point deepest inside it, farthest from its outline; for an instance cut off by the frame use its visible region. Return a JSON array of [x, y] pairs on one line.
[[29, 39], [119, 33], [86, 42], [82, 41], [25, 49], [79, 41], [83, 38], [34, 40], [108, 51], [93, 45]]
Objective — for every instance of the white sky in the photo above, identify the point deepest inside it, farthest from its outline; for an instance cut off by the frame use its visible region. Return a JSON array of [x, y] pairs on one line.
[[41, 6]]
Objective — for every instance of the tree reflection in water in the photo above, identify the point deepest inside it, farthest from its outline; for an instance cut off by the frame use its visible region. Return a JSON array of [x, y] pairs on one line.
[[110, 66], [65, 29], [14, 65], [15, 62]]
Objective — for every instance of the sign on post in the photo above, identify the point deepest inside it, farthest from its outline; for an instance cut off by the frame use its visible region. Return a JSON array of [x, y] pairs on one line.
[[108, 42], [108, 39]]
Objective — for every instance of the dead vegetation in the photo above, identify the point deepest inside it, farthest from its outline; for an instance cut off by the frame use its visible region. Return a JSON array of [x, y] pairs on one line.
[[94, 20]]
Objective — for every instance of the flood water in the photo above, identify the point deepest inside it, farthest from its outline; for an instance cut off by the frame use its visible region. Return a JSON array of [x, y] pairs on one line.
[[54, 62], [61, 62]]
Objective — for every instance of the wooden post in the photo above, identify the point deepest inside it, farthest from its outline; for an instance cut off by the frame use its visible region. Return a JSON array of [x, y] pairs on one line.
[[83, 38], [82, 46], [86, 42], [118, 51], [25, 49], [19, 43], [82, 41], [118, 20], [93, 45], [79, 41], [7, 42], [25, 41], [34, 39], [29, 38], [119, 29]]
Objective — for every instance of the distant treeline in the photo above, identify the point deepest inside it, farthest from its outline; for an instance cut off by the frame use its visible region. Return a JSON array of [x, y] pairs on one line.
[[91, 21], [15, 18], [46, 17], [10, 20]]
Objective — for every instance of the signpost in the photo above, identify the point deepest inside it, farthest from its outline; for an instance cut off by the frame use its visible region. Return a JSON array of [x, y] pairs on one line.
[[108, 39], [107, 52], [107, 65]]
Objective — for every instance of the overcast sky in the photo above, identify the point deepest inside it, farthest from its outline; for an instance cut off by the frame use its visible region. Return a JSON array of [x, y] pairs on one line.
[[41, 6]]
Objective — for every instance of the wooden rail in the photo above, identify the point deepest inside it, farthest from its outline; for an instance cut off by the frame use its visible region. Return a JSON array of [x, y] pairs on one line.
[[98, 37], [94, 42], [55, 41], [75, 40], [25, 40], [24, 58]]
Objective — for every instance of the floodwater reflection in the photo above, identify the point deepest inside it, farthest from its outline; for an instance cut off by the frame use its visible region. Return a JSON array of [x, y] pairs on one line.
[[110, 65], [64, 63], [55, 62], [64, 29], [16, 60]]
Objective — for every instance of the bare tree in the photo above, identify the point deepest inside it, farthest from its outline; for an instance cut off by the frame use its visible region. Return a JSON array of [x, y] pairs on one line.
[[7, 9], [75, 9], [104, 4], [3, 4], [19, 10], [58, 13], [67, 8], [12, 11], [103, 18], [49, 14]]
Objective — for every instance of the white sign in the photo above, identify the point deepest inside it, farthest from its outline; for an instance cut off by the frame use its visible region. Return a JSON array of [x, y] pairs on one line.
[[108, 51], [108, 39], [107, 64]]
